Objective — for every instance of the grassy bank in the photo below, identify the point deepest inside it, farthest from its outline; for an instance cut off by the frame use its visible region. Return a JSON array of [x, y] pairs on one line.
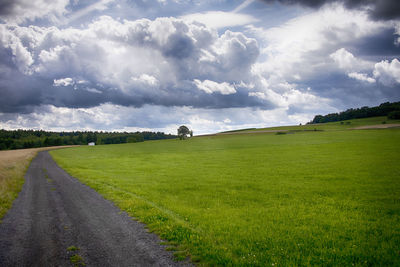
[[13, 165], [308, 198]]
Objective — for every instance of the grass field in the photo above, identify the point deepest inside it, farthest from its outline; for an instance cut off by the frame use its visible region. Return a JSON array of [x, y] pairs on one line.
[[327, 198], [329, 126], [13, 165]]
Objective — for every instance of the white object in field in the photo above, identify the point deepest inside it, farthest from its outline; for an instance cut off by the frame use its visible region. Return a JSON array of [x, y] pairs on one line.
[[91, 144]]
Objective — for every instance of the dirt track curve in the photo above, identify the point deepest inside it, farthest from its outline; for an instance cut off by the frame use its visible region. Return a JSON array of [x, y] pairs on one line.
[[54, 212]]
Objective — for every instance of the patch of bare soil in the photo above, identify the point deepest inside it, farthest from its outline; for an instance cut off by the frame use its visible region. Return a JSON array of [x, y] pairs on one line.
[[245, 132], [252, 132], [377, 126]]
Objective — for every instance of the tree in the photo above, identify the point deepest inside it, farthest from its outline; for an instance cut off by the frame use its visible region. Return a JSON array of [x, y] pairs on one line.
[[394, 115], [183, 132]]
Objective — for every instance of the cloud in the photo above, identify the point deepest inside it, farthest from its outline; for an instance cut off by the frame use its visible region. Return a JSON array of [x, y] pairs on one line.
[[63, 82], [220, 19], [126, 74], [14, 49], [130, 63], [313, 51], [388, 72], [352, 65], [298, 49], [348, 62], [212, 87], [18, 11], [146, 80], [97, 6], [361, 77], [379, 10]]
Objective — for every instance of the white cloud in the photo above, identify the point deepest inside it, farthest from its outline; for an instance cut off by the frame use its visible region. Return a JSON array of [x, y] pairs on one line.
[[361, 77], [220, 19], [387, 72], [146, 79], [20, 54], [212, 87], [109, 117], [99, 6], [63, 82], [148, 61], [348, 62], [93, 90], [294, 99], [298, 49], [18, 11], [397, 32]]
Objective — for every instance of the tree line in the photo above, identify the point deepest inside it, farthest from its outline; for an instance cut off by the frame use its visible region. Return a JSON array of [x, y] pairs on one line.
[[391, 110], [18, 139]]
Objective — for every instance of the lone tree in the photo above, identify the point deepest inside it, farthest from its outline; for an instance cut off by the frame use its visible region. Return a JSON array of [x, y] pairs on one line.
[[183, 132]]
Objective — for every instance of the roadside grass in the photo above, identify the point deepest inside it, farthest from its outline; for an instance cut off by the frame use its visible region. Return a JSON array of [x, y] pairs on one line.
[[72, 248], [77, 260], [326, 198], [13, 165]]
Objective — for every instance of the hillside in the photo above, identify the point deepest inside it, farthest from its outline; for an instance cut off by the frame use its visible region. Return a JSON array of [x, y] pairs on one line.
[[328, 126]]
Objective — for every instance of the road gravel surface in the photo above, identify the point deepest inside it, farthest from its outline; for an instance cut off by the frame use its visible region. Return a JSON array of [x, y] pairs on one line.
[[58, 221]]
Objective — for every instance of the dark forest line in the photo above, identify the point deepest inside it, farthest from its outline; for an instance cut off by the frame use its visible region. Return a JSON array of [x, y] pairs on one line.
[[18, 139], [391, 110]]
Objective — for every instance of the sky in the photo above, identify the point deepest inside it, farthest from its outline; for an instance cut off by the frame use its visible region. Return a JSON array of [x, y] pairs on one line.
[[212, 65]]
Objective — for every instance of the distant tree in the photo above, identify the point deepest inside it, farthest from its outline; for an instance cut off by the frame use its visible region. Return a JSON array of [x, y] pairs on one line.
[[394, 115], [3, 146], [80, 139], [91, 137], [384, 109], [183, 132], [191, 133], [15, 139]]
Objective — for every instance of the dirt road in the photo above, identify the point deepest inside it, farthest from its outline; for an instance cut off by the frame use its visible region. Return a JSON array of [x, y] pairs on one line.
[[57, 221]]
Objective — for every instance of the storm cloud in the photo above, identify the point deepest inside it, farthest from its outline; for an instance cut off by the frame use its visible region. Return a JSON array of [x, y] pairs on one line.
[[164, 62], [18, 11], [137, 65], [378, 9]]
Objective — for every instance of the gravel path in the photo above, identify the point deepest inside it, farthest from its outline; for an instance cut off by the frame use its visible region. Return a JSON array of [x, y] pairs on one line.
[[55, 212]]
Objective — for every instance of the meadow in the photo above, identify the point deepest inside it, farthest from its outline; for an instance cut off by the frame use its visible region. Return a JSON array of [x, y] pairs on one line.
[[308, 198]]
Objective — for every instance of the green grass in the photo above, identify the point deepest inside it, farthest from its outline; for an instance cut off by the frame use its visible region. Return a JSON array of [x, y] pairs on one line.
[[77, 260], [72, 248], [335, 126], [327, 198]]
